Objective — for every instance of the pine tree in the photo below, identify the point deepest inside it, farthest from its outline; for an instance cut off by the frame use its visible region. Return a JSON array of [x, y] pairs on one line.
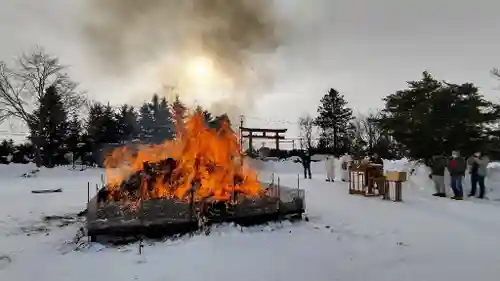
[[207, 116], [51, 127], [6, 151], [333, 120], [163, 127], [146, 122], [179, 111], [94, 126], [126, 121], [433, 117], [74, 137], [110, 126]]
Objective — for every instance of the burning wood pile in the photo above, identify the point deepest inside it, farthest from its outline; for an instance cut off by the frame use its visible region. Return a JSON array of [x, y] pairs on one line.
[[201, 163], [189, 182]]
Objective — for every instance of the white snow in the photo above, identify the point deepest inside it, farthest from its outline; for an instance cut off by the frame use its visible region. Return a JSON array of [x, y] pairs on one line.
[[347, 238]]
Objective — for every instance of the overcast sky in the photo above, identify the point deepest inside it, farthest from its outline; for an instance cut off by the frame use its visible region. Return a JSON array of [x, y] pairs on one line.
[[365, 49]]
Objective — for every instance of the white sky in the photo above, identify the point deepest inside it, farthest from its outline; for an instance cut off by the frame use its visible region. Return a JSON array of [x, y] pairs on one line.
[[365, 49]]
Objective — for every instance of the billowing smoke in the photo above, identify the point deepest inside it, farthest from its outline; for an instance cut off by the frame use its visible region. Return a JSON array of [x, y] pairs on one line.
[[237, 35]]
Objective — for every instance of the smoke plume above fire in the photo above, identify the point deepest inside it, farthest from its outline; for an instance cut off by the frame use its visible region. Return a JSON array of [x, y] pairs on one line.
[[211, 51]]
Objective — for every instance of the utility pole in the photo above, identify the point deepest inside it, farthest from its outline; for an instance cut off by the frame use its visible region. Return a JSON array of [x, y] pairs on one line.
[[242, 119], [241, 143]]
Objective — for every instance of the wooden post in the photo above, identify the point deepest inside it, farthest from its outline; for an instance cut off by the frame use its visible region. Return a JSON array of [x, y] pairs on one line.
[[88, 201], [381, 185], [370, 185], [352, 183], [250, 139], [277, 136], [278, 195], [387, 191], [398, 192]]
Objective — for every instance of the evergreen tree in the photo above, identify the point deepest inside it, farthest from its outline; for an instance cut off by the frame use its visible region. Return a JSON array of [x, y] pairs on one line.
[[219, 121], [146, 122], [333, 120], [163, 127], [6, 151], [94, 126], [110, 126], [207, 116], [51, 127], [74, 137], [23, 153], [179, 111], [433, 117], [126, 121]]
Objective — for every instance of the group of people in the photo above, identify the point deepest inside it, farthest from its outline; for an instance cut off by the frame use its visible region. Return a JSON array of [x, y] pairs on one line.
[[345, 160], [457, 167], [330, 167]]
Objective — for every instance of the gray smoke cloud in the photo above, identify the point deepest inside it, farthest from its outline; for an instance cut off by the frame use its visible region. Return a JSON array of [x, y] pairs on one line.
[[124, 35]]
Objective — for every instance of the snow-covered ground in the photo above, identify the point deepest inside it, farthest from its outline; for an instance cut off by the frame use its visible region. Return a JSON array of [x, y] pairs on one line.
[[347, 238]]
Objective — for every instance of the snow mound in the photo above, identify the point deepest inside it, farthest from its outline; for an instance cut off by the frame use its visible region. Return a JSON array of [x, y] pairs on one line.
[[401, 165], [493, 181]]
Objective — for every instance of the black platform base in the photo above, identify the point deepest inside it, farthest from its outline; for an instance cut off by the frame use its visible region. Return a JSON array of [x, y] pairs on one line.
[[166, 217]]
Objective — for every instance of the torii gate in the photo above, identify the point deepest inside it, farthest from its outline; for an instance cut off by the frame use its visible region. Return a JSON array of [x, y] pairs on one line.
[[259, 133]]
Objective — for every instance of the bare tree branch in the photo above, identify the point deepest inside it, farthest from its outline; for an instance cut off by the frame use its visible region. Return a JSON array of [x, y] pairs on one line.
[[23, 87], [306, 125], [371, 130]]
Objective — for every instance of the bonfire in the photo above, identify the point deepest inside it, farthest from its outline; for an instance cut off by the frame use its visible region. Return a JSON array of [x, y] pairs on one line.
[[200, 163]]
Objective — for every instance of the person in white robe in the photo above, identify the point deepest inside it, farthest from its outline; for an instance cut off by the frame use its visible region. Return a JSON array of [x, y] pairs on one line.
[[346, 162], [330, 168]]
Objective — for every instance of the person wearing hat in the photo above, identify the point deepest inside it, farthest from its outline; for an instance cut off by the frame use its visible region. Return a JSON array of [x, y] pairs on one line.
[[457, 166], [479, 167]]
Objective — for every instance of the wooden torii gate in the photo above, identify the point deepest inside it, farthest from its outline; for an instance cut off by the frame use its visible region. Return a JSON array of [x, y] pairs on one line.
[[259, 133]]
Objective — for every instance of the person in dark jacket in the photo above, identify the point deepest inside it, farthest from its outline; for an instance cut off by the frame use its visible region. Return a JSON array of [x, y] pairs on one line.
[[305, 159], [457, 166], [375, 159], [479, 165], [438, 166]]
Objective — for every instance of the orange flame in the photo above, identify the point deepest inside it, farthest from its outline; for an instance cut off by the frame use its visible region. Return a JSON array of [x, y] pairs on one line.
[[208, 160]]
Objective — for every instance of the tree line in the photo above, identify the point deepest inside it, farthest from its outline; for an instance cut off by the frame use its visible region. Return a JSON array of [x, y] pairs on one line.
[[64, 125], [429, 117]]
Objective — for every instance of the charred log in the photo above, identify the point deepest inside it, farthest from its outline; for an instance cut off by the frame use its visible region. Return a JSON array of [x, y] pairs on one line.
[[134, 186]]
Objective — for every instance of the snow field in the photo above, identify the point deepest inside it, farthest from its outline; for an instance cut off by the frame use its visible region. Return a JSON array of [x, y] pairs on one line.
[[347, 238]]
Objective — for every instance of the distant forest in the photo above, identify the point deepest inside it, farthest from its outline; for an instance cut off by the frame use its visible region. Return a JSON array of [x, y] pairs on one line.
[[429, 117]]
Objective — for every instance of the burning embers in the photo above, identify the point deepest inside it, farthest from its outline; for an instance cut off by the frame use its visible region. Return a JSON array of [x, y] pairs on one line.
[[200, 163]]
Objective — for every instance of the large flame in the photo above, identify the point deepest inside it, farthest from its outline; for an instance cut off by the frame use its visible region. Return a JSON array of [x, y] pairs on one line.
[[209, 161]]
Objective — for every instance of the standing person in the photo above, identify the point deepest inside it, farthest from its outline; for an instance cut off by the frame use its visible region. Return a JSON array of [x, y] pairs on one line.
[[305, 159], [330, 168], [438, 166], [474, 167], [478, 174], [375, 159], [457, 166], [376, 171], [346, 162]]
